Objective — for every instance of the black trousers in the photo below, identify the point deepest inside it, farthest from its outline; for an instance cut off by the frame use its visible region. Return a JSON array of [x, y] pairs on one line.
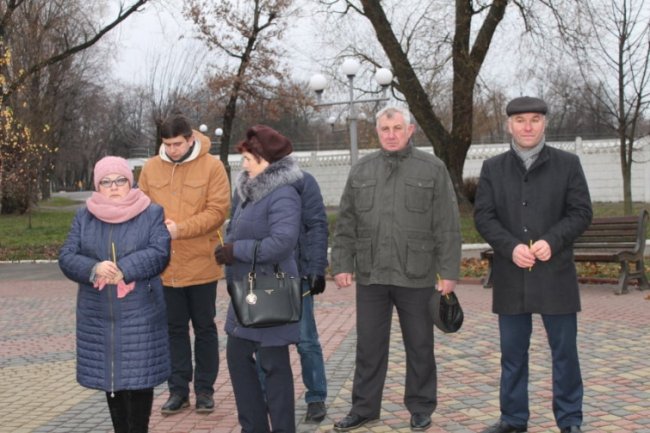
[[130, 410], [255, 404], [374, 315], [198, 305]]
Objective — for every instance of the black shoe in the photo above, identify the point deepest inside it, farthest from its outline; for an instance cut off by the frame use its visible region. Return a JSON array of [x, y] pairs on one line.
[[175, 404], [420, 422], [351, 422], [316, 412], [504, 427], [204, 403], [572, 429]]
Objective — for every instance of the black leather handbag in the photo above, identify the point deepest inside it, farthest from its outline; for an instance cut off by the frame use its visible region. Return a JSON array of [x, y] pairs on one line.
[[446, 311], [261, 301]]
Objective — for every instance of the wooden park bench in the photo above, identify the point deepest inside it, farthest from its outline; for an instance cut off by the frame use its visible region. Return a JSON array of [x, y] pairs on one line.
[[607, 240]]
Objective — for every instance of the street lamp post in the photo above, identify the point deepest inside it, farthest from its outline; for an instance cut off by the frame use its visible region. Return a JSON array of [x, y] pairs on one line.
[[214, 144], [350, 68]]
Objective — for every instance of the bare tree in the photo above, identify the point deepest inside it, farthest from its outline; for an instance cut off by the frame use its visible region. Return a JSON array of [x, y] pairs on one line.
[[246, 32], [57, 31], [49, 101], [71, 42], [575, 112], [173, 80], [468, 52], [615, 65]]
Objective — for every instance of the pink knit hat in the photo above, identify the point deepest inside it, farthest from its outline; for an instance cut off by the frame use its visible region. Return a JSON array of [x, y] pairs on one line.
[[111, 165]]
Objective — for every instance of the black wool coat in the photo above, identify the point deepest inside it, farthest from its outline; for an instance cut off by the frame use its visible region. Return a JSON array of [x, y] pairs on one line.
[[549, 201]]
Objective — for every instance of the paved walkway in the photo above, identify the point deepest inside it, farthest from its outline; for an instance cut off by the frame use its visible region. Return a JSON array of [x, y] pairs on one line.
[[38, 391]]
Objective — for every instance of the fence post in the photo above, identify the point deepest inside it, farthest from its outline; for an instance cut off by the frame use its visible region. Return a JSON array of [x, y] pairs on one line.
[[644, 159], [578, 146]]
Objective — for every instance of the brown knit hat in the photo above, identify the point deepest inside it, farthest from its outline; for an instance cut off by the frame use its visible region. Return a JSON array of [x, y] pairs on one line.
[[269, 143]]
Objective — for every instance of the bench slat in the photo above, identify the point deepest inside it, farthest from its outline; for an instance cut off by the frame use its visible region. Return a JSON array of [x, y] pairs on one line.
[[615, 220], [609, 232], [595, 257], [603, 244]]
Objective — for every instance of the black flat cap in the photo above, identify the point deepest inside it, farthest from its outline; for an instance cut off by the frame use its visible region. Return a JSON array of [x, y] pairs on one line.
[[446, 311], [526, 104]]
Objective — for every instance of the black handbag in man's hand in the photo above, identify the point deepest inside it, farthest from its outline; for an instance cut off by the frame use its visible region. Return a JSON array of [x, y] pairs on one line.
[[261, 301], [446, 311]]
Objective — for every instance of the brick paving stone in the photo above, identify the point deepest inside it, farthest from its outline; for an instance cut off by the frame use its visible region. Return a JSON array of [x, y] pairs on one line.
[[38, 391]]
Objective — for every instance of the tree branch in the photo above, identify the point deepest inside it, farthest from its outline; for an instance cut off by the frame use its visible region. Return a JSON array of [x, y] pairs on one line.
[[28, 72]]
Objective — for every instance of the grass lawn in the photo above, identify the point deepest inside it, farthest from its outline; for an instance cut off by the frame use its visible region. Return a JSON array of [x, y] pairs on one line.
[[51, 221], [49, 226]]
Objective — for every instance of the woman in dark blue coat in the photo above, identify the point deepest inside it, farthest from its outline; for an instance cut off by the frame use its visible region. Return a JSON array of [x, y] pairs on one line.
[[116, 249], [269, 212]]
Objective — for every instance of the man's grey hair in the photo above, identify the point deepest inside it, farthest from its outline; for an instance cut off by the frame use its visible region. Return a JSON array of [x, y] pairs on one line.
[[390, 111]]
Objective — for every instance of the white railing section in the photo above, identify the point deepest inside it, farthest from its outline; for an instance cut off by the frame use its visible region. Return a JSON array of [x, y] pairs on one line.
[[600, 160]]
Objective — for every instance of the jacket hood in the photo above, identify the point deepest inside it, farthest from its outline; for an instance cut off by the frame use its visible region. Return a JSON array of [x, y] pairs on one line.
[[201, 147], [282, 172]]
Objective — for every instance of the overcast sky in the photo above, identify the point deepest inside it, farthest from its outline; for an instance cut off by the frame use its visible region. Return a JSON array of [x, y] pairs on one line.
[[158, 31], [143, 36]]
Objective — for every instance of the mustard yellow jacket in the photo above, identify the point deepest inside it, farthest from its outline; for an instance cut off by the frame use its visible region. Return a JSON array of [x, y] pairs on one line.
[[195, 194]]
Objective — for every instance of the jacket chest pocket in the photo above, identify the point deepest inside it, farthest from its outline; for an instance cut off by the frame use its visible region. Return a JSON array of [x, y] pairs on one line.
[[418, 194], [159, 189], [364, 192], [194, 192]]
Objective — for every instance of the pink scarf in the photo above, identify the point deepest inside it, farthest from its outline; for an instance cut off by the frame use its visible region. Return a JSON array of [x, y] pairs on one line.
[[115, 212]]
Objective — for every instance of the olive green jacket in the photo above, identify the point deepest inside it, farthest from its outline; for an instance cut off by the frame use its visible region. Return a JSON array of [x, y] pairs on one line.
[[398, 221]]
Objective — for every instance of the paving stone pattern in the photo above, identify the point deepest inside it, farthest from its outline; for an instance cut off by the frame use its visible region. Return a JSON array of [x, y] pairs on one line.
[[39, 393]]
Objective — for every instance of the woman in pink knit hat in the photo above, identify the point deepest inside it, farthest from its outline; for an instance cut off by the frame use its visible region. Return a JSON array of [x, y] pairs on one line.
[[116, 249]]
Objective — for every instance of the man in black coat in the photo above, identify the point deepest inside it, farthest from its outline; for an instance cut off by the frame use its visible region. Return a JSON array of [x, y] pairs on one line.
[[532, 202]]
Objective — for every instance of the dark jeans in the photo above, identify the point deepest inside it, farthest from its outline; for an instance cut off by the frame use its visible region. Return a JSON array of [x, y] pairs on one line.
[[311, 353], [198, 305], [256, 405], [561, 331], [130, 410], [374, 316]]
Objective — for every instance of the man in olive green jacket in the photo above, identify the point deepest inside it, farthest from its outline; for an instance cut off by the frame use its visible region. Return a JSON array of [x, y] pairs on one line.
[[398, 231]]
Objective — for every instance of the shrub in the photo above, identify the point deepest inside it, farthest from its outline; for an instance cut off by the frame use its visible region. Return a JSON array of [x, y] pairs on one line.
[[469, 188]]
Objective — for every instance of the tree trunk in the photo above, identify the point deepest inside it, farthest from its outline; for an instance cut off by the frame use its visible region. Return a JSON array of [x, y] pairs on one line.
[[452, 146], [626, 171], [229, 115]]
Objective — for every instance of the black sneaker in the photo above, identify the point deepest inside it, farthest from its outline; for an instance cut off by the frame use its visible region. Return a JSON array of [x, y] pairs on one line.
[[316, 412], [204, 403], [175, 404]]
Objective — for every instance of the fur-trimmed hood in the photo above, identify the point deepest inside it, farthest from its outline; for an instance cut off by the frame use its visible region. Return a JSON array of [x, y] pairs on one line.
[[282, 172]]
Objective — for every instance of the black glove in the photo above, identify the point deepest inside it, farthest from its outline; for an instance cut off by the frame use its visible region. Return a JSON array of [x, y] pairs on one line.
[[316, 284], [223, 254]]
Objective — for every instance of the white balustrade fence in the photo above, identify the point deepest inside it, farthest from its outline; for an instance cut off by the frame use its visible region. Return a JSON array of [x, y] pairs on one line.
[[600, 161]]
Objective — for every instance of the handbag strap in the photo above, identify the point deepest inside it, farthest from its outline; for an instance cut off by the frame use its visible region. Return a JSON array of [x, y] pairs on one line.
[[276, 267], [257, 244]]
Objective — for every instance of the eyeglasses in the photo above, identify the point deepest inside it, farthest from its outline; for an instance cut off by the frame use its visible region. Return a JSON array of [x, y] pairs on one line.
[[107, 183]]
